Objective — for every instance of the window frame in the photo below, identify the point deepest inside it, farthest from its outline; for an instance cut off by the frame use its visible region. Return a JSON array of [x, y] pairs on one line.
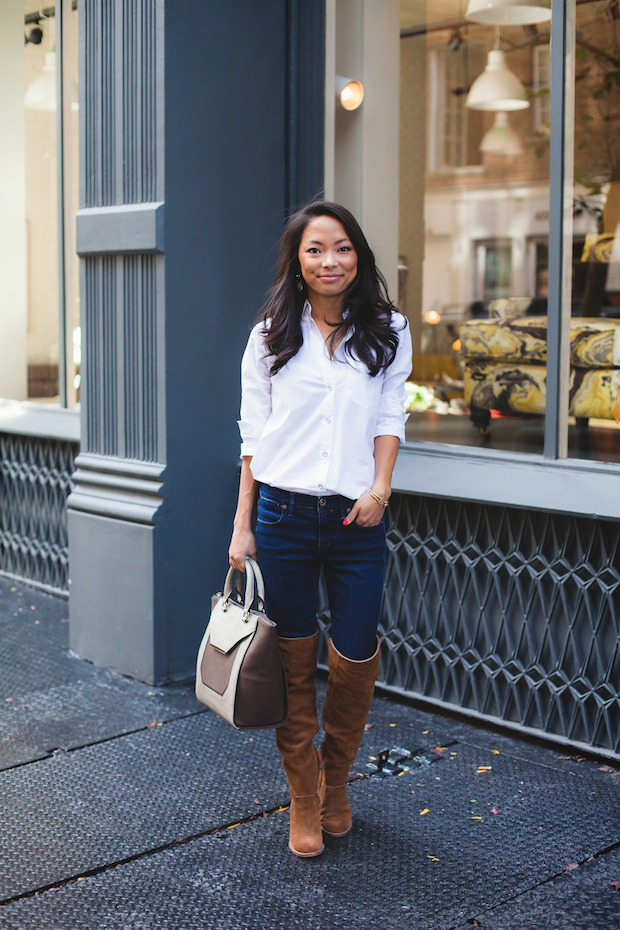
[[496, 476], [540, 125], [437, 137], [64, 228]]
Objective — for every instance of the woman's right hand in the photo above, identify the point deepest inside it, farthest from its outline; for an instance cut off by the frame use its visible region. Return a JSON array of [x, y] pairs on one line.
[[242, 544]]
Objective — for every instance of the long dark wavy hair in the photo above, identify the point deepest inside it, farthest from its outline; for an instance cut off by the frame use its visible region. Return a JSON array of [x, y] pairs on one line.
[[372, 339]]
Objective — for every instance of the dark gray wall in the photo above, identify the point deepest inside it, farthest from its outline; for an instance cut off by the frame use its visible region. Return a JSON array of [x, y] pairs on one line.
[[225, 169]]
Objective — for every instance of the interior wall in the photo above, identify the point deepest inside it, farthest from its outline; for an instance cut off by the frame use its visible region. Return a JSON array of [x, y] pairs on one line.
[[13, 307], [41, 207], [366, 139]]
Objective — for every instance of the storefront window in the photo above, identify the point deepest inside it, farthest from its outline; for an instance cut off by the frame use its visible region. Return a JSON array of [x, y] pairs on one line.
[[29, 202], [474, 224], [594, 412]]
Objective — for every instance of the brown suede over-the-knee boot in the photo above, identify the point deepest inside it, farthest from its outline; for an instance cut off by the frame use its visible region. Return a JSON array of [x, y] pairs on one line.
[[350, 689], [294, 740]]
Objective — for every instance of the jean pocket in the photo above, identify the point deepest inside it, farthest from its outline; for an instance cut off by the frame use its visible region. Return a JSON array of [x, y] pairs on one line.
[[269, 512], [366, 529]]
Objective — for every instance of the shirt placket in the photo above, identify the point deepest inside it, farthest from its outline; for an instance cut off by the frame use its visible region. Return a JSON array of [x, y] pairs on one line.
[[327, 412]]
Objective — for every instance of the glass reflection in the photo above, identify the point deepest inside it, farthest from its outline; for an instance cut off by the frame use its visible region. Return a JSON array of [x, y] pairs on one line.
[[474, 224], [595, 312]]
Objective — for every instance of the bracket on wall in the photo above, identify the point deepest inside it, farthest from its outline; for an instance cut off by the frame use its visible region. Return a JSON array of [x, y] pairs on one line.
[[124, 489], [125, 229]]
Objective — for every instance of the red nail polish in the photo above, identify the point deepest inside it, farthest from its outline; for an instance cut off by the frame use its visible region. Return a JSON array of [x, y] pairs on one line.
[[345, 522]]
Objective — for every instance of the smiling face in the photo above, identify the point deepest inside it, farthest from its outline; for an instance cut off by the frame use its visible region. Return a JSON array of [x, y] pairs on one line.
[[327, 257]]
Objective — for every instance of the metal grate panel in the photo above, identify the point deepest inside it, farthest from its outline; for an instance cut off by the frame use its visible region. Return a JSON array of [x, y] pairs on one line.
[[504, 613], [35, 480]]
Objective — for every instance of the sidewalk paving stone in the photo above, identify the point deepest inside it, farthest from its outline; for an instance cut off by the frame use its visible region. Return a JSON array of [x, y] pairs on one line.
[[583, 899], [50, 699], [397, 869], [112, 789], [83, 809]]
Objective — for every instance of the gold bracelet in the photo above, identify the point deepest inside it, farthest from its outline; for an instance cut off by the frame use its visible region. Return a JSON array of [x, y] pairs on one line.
[[378, 499]]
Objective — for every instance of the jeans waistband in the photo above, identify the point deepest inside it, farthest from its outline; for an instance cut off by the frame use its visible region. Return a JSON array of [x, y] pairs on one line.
[[329, 503]]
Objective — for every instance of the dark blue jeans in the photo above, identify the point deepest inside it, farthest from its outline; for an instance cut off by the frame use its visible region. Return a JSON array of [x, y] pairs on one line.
[[296, 534]]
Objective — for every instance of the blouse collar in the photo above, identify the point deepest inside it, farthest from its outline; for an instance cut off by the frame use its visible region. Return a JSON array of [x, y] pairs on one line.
[[306, 313]]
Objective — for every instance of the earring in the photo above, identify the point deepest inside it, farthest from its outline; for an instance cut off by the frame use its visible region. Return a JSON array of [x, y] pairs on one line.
[[299, 282]]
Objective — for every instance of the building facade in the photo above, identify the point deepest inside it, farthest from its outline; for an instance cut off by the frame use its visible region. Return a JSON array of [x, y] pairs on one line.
[[483, 165]]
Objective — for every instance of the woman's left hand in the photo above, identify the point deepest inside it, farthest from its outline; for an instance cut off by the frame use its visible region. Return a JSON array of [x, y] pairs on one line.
[[365, 511]]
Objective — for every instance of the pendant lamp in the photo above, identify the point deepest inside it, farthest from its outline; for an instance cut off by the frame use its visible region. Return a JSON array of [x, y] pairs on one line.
[[497, 88], [501, 139], [41, 94], [508, 12]]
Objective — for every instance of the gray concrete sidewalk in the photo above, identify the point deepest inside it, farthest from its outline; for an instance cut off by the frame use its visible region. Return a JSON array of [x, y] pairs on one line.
[[128, 806]]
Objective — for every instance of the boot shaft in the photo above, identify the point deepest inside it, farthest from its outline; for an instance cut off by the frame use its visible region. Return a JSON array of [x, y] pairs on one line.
[[295, 738], [350, 690]]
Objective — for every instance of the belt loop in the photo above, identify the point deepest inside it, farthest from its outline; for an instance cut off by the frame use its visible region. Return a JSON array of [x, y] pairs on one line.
[[291, 505]]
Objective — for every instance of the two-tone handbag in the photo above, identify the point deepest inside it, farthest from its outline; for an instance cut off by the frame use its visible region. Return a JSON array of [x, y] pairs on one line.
[[239, 673]]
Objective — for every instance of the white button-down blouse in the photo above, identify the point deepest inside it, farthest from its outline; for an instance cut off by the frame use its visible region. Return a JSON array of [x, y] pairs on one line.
[[311, 427]]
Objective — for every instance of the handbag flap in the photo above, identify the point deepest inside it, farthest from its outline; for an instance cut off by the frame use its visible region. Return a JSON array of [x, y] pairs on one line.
[[227, 627]]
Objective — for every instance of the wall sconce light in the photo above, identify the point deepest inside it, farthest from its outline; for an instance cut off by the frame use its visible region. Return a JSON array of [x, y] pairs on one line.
[[350, 93], [508, 12]]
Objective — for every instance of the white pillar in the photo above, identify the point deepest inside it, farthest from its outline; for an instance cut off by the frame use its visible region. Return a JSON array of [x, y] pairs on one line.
[[13, 297], [365, 173]]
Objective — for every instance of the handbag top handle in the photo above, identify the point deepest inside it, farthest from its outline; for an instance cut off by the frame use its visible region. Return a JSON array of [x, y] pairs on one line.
[[254, 578]]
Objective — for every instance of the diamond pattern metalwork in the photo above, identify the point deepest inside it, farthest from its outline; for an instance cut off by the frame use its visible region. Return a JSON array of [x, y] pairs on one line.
[[507, 613], [35, 480]]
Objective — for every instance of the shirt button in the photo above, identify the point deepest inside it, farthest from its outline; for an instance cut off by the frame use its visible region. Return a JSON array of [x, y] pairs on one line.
[[325, 454], [321, 487], [327, 420], [329, 387]]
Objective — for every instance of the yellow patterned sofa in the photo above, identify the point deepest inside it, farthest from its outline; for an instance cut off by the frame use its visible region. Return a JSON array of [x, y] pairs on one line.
[[505, 367]]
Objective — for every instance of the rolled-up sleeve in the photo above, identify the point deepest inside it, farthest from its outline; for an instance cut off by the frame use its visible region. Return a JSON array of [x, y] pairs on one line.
[[255, 392], [392, 412]]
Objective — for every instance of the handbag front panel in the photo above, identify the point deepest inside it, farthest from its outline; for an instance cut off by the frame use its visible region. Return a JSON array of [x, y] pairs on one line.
[[261, 690], [222, 704], [216, 667]]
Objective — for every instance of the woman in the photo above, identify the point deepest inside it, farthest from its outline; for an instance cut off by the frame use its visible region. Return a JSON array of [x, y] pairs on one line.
[[322, 415]]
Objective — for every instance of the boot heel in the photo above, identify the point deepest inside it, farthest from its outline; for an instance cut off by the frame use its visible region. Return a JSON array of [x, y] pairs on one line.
[[336, 814]]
